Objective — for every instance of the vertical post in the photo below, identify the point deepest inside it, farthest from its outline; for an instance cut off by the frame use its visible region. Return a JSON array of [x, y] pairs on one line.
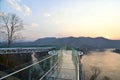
[[51, 61], [30, 78], [80, 68]]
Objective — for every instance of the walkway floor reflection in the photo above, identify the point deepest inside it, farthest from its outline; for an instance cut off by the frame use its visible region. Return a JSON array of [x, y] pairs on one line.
[[67, 71]]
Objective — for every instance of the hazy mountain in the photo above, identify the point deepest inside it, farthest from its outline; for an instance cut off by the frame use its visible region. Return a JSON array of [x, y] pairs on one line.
[[78, 42], [99, 42]]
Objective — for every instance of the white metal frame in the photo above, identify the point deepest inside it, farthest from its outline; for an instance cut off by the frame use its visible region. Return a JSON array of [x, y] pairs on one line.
[[24, 68]]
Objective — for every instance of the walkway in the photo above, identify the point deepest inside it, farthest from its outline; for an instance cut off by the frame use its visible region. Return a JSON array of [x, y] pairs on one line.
[[67, 71]]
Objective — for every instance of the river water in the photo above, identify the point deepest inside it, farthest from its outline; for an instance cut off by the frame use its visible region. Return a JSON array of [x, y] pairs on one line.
[[106, 63]]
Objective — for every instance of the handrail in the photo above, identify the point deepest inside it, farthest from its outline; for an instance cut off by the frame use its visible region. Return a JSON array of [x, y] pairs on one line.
[[77, 63], [48, 71], [78, 67], [76, 60], [51, 71], [24, 68]]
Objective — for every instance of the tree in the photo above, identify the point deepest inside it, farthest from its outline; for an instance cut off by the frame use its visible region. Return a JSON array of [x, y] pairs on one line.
[[11, 24], [106, 78], [96, 71]]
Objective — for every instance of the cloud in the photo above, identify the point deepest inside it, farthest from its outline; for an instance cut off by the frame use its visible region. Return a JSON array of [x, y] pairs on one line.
[[34, 25], [14, 4], [46, 14], [27, 10], [19, 0]]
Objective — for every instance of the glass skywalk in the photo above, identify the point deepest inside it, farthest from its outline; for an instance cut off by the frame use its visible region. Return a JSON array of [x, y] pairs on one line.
[[61, 65]]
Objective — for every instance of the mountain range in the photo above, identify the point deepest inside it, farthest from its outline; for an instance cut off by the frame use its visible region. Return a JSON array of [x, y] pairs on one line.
[[78, 42]]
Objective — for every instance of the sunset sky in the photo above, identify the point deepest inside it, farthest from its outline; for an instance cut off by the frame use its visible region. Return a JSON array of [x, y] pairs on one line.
[[62, 18]]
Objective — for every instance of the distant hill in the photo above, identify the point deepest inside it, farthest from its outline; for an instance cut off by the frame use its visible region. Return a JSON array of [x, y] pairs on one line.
[[78, 42], [83, 42]]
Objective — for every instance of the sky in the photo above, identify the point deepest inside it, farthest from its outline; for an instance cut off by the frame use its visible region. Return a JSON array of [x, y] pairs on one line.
[[63, 18]]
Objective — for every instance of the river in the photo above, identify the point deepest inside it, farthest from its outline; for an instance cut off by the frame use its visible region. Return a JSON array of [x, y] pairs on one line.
[[106, 63]]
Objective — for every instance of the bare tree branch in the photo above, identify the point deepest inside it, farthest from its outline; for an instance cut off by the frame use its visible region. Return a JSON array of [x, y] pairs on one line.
[[95, 73], [11, 24]]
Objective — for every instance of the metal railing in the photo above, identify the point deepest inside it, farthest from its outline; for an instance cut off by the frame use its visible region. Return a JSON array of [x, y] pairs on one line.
[[77, 63], [24, 68], [54, 72], [23, 50], [47, 68], [38, 70]]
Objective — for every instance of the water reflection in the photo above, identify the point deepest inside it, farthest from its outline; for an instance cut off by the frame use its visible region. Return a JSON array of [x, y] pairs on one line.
[[107, 61]]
